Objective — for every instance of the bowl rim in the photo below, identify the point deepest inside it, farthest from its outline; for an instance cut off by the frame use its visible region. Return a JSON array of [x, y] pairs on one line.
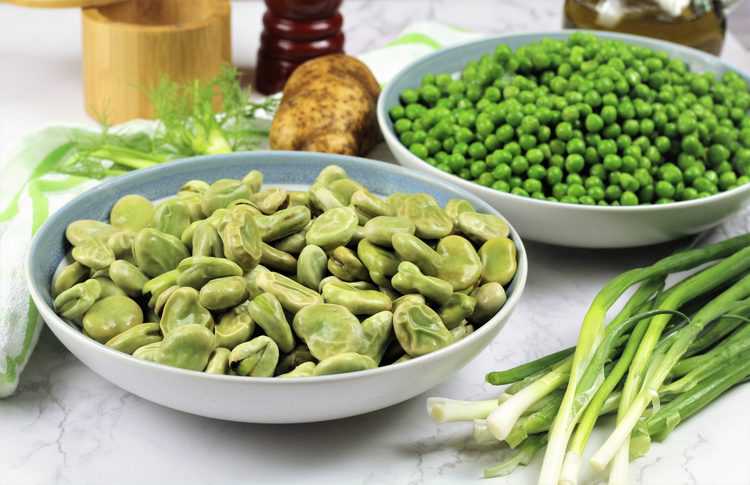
[[386, 126], [53, 320]]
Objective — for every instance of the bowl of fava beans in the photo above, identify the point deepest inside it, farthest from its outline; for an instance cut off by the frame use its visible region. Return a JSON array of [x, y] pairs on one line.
[[239, 286], [583, 139]]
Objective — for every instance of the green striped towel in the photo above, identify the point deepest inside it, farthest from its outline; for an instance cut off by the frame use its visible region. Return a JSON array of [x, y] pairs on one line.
[[31, 166]]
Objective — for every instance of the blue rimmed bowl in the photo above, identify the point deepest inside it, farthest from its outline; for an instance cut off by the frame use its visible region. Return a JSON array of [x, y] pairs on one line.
[[248, 399], [559, 223]]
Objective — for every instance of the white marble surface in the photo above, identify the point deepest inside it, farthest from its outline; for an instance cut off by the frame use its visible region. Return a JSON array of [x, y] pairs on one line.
[[68, 426]]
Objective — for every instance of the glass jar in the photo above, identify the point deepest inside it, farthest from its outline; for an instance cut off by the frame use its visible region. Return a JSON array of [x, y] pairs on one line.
[[702, 24]]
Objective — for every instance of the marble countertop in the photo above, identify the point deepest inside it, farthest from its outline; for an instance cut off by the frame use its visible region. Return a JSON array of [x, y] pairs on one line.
[[66, 425]]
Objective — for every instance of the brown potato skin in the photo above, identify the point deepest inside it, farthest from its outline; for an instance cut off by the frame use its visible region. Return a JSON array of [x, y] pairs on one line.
[[328, 106]]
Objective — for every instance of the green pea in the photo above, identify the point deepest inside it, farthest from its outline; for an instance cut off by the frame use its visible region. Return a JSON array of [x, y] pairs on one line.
[[609, 114], [396, 112], [594, 123], [628, 198], [419, 150], [519, 165], [564, 131], [574, 163]]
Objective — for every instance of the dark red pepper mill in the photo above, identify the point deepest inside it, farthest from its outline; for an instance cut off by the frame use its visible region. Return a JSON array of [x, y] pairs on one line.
[[295, 31]]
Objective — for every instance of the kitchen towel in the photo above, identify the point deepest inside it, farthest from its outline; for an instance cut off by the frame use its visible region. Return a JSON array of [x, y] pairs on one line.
[[31, 189]]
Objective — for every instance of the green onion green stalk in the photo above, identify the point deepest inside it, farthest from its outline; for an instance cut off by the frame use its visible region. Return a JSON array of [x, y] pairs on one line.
[[677, 348]]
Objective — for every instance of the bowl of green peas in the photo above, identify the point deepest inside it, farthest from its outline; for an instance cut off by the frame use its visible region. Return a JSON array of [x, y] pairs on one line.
[[583, 139]]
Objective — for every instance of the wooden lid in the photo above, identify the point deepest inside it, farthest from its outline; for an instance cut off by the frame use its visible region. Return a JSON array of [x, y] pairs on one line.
[[63, 3]]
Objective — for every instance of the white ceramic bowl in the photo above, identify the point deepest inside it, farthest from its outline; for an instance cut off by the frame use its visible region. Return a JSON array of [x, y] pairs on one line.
[[569, 224], [257, 400]]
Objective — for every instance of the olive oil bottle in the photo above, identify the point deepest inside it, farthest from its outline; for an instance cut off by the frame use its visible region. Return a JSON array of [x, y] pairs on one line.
[[701, 25]]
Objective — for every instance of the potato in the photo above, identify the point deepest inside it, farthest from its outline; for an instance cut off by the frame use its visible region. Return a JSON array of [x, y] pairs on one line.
[[328, 106]]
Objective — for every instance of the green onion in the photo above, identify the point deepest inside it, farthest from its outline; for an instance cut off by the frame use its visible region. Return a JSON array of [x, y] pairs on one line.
[[521, 456], [661, 423], [591, 334], [537, 421], [444, 410], [663, 362], [502, 420], [516, 374], [586, 424], [714, 332], [736, 344], [652, 340]]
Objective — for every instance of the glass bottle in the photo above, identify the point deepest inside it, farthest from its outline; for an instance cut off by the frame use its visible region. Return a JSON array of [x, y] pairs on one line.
[[701, 24]]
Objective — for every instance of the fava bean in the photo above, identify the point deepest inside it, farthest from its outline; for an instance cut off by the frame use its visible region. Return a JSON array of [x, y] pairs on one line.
[[94, 254], [344, 362], [135, 337], [344, 264], [74, 302], [183, 308], [172, 217], [294, 359], [419, 329], [335, 227], [223, 293], [111, 316], [305, 369], [67, 277], [363, 280], [218, 362], [220, 193], [410, 279], [235, 326], [359, 302], [498, 256], [132, 212], [328, 330], [268, 314], [256, 358], [381, 229], [311, 266], [128, 277], [156, 252]]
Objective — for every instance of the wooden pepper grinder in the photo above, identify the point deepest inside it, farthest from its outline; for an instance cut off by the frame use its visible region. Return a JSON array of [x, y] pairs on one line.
[[295, 31]]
